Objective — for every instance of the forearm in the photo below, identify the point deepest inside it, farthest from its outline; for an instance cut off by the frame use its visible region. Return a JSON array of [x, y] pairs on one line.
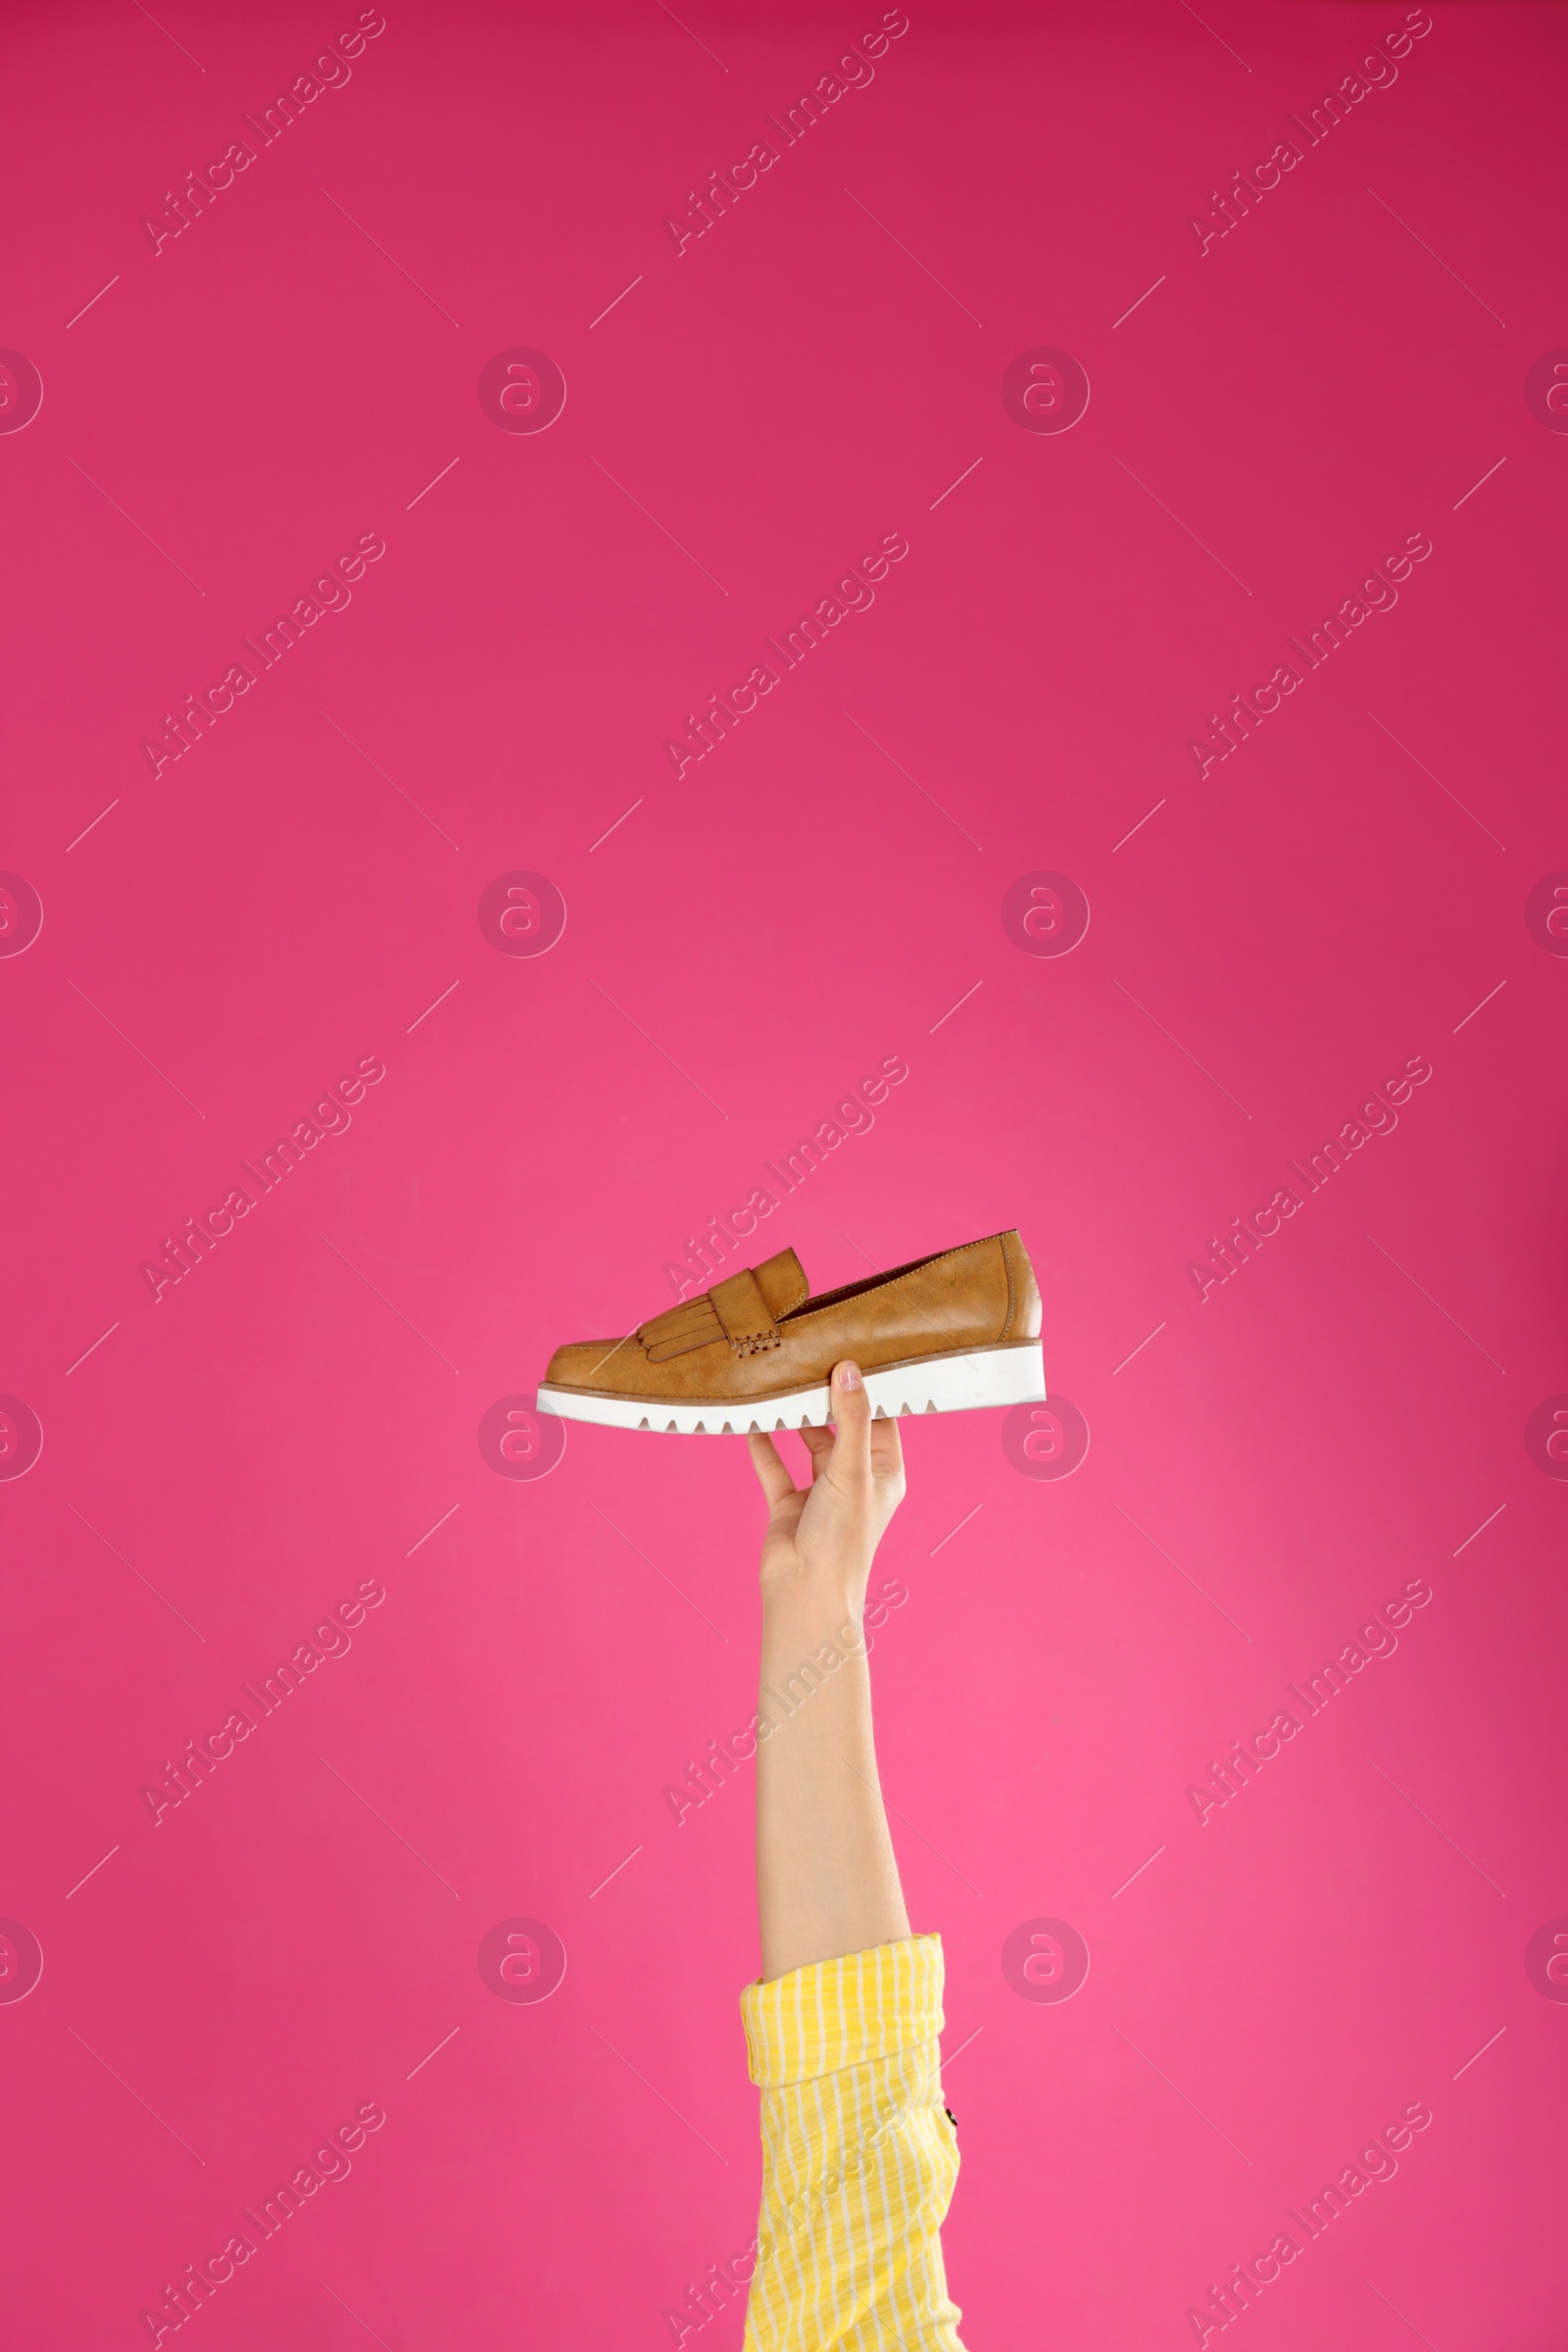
[[842, 2027], [827, 1879]]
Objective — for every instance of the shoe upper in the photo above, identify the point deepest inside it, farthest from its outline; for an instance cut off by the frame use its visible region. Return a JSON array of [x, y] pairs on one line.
[[759, 1333]]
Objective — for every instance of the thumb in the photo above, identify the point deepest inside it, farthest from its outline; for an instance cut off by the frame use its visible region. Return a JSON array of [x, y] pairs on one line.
[[851, 1419]]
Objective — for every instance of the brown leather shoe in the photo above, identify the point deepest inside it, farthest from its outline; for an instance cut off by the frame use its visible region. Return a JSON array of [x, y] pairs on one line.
[[755, 1352]]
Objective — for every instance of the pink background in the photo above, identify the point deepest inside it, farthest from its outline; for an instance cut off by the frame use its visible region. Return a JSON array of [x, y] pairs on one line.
[[224, 1986]]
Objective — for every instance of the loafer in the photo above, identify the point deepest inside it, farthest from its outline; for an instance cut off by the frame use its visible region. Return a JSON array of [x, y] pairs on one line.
[[941, 1334]]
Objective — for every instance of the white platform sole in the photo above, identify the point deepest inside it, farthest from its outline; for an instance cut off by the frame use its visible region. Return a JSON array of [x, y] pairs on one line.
[[939, 1384]]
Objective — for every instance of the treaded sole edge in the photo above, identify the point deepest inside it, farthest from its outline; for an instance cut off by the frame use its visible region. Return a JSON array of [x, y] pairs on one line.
[[942, 1384]]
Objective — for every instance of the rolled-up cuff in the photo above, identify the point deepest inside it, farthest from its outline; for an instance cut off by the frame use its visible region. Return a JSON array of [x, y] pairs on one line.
[[838, 2012]]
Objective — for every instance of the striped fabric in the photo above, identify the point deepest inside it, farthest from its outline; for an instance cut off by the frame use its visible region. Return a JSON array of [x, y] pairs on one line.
[[859, 2157]]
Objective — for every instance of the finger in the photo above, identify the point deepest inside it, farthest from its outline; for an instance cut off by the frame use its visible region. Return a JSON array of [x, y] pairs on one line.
[[818, 1443], [887, 1449], [852, 1418], [776, 1480]]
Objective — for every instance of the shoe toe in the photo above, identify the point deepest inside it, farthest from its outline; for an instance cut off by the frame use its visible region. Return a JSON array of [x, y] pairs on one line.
[[593, 1363]]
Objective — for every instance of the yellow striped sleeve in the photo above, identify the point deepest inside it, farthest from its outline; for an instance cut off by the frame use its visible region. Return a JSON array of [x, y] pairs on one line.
[[859, 2156]]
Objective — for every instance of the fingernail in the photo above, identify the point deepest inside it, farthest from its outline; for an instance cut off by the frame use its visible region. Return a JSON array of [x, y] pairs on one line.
[[848, 1376]]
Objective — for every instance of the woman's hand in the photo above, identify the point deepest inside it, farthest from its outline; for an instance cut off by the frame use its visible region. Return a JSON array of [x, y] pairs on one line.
[[824, 1538], [827, 1880]]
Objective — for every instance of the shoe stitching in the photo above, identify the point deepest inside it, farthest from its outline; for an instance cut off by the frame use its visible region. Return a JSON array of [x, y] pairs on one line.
[[792, 1302], [686, 1328]]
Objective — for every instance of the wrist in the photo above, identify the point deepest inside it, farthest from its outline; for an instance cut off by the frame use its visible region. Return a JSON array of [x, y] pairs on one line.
[[813, 1593], [818, 1630]]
